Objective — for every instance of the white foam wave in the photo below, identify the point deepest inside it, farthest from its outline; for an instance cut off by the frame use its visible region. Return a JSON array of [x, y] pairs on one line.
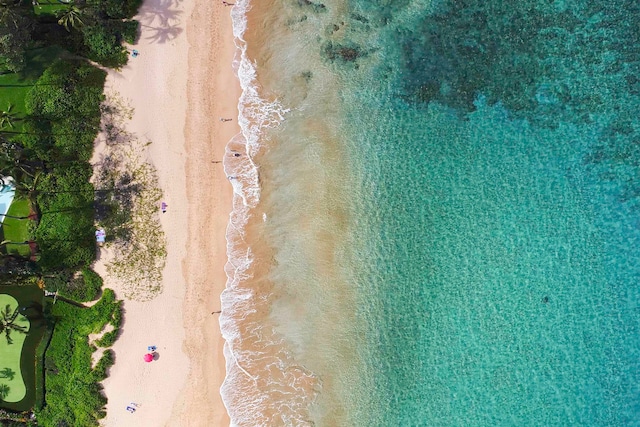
[[248, 395]]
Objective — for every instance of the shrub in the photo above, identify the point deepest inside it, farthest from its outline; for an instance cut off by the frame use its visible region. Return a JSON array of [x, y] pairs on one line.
[[116, 320], [108, 339], [65, 241], [106, 361], [73, 394], [104, 45], [132, 7], [65, 233], [77, 287], [92, 283], [129, 31], [115, 9]]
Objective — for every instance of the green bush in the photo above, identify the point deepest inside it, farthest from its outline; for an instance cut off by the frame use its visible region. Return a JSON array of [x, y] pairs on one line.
[[79, 287], [64, 110], [108, 339], [106, 361], [92, 282], [65, 233], [67, 89], [104, 45], [116, 320], [115, 9], [65, 241], [73, 394], [132, 7], [129, 31], [15, 37]]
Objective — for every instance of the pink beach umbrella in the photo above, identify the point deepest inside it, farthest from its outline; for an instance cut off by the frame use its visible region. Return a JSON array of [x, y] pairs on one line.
[[148, 357]]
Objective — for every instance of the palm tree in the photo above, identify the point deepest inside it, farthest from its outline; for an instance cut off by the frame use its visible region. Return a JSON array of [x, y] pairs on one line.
[[4, 391], [16, 162], [7, 242], [30, 216], [8, 117], [7, 373], [70, 17], [8, 323], [27, 186]]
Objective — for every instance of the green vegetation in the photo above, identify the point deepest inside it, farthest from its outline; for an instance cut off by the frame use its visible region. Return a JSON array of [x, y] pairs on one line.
[[93, 29], [15, 35], [50, 114], [17, 370], [127, 203], [73, 394], [11, 322], [14, 327], [77, 286], [15, 228]]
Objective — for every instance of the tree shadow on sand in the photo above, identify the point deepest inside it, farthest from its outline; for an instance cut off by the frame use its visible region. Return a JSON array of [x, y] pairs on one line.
[[163, 18], [163, 34], [127, 204]]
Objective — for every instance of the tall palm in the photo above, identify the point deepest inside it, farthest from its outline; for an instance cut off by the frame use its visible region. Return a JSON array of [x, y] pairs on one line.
[[70, 17], [27, 186], [8, 117], [8, 373], [16, 161], [4, 391], [8, 323]]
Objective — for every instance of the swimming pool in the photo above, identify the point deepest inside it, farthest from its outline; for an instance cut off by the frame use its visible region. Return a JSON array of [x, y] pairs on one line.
[[7, 193]]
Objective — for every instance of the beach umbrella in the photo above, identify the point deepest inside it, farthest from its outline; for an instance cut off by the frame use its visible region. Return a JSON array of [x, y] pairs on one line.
[[148, 357]]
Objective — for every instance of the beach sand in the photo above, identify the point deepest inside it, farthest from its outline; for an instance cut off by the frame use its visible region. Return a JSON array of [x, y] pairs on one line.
[[179, 85]]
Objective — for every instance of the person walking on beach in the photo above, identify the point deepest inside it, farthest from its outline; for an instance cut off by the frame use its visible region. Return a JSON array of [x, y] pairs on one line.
[[163, 207]]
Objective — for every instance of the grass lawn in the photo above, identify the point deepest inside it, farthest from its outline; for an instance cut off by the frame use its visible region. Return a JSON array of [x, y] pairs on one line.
[[17, 360], [17, 230], [14, 86], [38, 60], [12, 386], [50, 7], [14, 90]]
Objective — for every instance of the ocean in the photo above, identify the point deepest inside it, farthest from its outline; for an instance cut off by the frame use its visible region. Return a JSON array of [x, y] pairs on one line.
[[436, 215]]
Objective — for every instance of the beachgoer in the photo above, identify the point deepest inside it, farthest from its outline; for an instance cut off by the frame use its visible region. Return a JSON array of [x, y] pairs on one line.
[[226, 3], [134, 53], [236, 154], [163, 207], [222, 119], [100, 236], [131, 409]]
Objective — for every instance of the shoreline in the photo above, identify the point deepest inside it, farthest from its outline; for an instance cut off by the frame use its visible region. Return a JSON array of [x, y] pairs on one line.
[[178, 86], [210, 200]]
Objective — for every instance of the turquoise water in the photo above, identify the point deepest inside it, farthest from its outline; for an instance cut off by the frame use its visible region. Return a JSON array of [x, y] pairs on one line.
[[505, 288], [451, 205]]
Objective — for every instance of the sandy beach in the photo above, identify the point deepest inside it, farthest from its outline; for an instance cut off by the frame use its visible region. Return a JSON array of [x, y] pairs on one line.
[[179, 86]]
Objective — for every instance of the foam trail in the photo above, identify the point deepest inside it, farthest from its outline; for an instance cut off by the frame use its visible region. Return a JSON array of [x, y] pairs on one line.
[[277, 392]]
